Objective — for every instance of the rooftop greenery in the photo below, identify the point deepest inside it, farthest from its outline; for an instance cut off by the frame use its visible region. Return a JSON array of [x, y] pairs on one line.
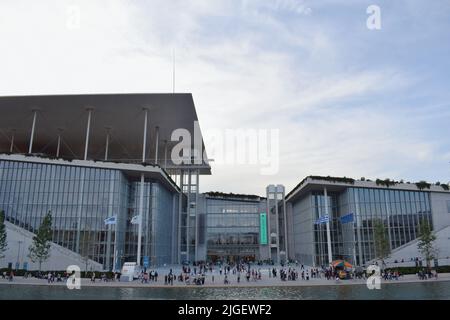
[[233, 195]]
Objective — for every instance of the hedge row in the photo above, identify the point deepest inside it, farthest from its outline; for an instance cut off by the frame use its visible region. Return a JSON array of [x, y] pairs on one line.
[[415, 270], [34, 273]]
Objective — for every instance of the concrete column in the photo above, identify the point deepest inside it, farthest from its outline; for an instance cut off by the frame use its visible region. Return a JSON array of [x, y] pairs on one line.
[[107, 143], [141, 210], [165, 154], [156, 145], [33, 126], [88, 128], [141, 196], [110, 214], [330, 254], [58, 147], [144, 143], [180, 212], [268, 222], [277, 224], [196, 214], [11, 148], [285, 229], [188, 211]]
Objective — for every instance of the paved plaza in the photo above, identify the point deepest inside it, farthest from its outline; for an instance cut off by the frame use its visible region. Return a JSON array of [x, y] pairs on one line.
[[215, 279]]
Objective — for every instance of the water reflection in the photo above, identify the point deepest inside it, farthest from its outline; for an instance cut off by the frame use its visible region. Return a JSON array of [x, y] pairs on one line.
[[422, 290]]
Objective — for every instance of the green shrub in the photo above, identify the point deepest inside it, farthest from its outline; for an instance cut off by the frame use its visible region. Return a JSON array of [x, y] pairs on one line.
[[415, 270], [385, 182], [83, 274], [423, 185]]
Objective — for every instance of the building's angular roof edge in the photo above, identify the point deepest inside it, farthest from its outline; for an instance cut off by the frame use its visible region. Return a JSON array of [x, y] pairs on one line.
[[367, 183]]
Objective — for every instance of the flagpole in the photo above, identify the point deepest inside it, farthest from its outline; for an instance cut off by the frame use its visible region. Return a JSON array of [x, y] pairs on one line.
[[115, 246], [330, 254]]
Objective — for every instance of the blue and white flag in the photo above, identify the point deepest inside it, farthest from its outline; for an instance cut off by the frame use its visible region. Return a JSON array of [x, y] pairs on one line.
[[347, 218], [135, 220], [111, 220], [323, 219]]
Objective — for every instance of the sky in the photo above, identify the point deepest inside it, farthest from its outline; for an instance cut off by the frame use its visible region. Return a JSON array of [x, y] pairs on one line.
[[346, 100]]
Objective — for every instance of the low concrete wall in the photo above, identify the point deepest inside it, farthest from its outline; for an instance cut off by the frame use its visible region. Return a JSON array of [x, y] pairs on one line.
[[19, 240], [410, 250]]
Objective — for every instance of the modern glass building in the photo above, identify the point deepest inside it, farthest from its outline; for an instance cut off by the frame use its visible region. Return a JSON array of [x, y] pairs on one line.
[[80, 199], [88, 158], [233, 227], [333, 218]]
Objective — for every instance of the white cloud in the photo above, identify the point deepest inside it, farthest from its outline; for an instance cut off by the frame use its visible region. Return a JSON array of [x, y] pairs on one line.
[[245, 68]]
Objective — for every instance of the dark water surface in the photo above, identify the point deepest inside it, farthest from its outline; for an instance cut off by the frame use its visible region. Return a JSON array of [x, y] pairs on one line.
[[419, 290]]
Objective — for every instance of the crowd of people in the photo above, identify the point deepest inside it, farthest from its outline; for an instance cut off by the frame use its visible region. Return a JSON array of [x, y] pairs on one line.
[[424, 274], [202, 273]]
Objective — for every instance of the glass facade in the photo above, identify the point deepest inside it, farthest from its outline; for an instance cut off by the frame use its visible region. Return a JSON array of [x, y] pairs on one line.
[[80, 199], [158, 227], [400, 211], [320, 231], [232, 230]]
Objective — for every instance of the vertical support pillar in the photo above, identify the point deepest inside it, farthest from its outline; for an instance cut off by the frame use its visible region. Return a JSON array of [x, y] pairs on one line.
[[11, 147], [141, 196], [268, 222], [156, 145], [107, 143], [58, 147], [188, 211], [285, 229], [144, 143], [88, 128], [330, 254], [196, 215], [165, 154], [180, 213], [141, 211], [109, 232], [277, 224], [33, 126]]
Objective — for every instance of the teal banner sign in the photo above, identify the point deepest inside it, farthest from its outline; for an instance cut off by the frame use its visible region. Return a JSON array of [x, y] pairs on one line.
[[263, 228]]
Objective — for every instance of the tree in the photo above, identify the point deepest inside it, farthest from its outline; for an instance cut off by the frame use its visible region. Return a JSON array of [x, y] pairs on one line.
[[426, 242], [3, 241], [39, 251], [381, 240]]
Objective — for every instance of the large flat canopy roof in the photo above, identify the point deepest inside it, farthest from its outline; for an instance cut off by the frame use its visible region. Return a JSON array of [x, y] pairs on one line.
[[123, 114]]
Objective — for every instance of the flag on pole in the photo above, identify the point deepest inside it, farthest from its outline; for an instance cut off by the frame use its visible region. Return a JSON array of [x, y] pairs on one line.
[[347, 218], [111, 220], [323, 219], [135, 220]]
